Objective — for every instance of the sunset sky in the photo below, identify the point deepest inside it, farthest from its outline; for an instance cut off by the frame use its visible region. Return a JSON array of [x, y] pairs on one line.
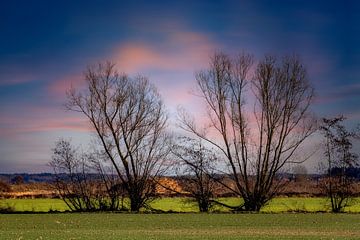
[[46, 45]]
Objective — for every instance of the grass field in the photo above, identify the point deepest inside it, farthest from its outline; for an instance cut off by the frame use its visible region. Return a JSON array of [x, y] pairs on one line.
[[179, 226], [292, 204]]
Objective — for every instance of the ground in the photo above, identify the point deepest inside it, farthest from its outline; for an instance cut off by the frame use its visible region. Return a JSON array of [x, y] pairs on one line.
[[179, 226], [272, 223]]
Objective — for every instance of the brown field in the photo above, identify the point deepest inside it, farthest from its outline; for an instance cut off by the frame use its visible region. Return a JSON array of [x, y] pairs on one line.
[[299, 188]]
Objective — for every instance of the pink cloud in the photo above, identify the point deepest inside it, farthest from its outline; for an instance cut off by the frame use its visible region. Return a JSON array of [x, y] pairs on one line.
[[181, 52], [136, 57], [59, 87], [41, 120], [184, 51], [169, 64]]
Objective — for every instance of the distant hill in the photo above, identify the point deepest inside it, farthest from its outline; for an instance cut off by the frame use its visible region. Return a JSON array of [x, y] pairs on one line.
[[27, 177], [49, 177]]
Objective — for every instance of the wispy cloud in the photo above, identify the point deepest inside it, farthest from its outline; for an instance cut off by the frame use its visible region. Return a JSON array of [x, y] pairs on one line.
[[180, 51], [170, 63], [339, 93], [41, 120], [59, 86], [16, 78]]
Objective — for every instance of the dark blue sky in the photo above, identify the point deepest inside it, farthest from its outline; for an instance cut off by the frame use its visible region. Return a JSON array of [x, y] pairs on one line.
[[45, 46]]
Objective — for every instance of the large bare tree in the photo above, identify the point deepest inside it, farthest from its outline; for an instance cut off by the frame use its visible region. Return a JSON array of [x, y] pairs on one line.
[[129, 118], [257, 131]]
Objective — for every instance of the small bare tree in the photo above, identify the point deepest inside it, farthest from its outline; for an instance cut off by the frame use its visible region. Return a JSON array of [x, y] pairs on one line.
[[71, 181], [107, 192], [338, 183], [196, 164], [129, 118], [80, 180], [255, 142]]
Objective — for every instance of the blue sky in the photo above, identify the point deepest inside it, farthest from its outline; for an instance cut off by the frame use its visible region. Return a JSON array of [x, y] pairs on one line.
[[45, 47]]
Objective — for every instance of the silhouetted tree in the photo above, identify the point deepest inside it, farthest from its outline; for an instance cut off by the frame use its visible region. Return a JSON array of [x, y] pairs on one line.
[[71, 181], [338, 145], [129, 118], [80, 180], [196, 165], [255, 142], [109, 194]]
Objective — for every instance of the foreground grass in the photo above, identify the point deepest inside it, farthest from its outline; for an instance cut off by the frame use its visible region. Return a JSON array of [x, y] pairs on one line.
[[179, 226], [278, 205]]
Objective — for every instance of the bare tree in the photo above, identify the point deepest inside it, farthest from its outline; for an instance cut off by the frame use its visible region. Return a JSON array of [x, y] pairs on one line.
[[255, 142], [71, 181], [129, 119], [81, 181], [107, 193], [196, 164], [338, 183]]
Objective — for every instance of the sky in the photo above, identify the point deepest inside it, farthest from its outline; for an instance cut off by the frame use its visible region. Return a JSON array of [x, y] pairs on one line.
[[45, 46]]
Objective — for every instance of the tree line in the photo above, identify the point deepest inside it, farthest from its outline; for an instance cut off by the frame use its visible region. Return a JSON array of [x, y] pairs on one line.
[[258, 118]]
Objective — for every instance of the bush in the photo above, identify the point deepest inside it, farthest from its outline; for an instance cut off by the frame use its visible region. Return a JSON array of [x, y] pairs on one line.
[[4, 187], [6, 208]]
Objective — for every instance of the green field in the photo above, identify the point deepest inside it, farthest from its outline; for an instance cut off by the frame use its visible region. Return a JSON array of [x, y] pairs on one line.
[[183, 225], [292, 204], [179, 226]]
